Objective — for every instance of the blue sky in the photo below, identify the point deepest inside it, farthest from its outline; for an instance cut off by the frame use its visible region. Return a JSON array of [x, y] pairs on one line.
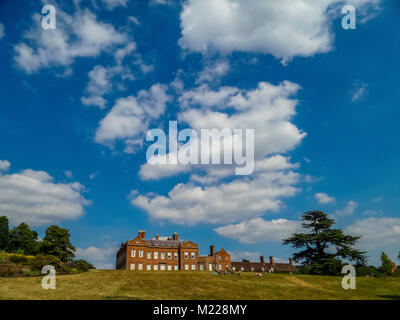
[[76, 103]]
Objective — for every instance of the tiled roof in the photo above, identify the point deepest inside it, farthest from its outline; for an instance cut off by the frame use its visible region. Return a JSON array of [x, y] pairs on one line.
[[285, 267], [163, 243]]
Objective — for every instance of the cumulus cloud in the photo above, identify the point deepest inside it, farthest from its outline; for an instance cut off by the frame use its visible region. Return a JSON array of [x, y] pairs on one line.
[[260, 230], [376, 232], [348, 209], [4, 165], [78, 35], [101, 258], [223, 203], [130, 117], [213, 72], [34, 197], [324, 198], [285, 28]]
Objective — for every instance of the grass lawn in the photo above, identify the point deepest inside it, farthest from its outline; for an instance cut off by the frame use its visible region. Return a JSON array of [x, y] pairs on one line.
[[102, 284]]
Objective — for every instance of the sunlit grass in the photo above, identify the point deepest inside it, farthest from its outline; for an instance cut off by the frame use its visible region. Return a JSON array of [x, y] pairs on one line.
[[101, 284]]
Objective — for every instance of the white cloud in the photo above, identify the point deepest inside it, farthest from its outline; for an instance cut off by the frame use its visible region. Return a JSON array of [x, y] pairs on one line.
[[249, 255], [112, 4], [69, 174], [101, 258], [4, 165], [260, 230], [213, 72], [99, 84], [285, 28], [2, 32], [161, 2], [77, 35], [348, 209], [134, 20], [359, 91], [130, 117], [222, 203], [33, 197], [324, 198], [93, 175], [376, 232]]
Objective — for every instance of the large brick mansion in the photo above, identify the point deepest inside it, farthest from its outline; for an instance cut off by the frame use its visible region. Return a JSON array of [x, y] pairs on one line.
[[172, 254]]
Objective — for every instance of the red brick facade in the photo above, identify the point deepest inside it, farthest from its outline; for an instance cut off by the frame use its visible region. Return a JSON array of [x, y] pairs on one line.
[[220, 261]]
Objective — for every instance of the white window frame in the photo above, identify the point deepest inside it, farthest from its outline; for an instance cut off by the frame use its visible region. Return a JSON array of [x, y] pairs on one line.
[[175, 255], [193, 255], [162, 255], [220, 267], [193, 267], [176, 268], [210, 267], [162, 267], [201, 267], [169, 267], [148, 267], [133, 266], [155, 255], [140, 266], [149, 255], [141, 252], [186, 267], [133, 253], [169, 255], [155, 268], [186, 255]]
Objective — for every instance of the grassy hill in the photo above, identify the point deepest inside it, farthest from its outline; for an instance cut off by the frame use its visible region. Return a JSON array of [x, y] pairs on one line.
[[102, 284]]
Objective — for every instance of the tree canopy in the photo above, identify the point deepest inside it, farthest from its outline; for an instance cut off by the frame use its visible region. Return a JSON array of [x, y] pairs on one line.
[[57, 243], [22, 238], [323, 245], [4, 233], [387, 264]]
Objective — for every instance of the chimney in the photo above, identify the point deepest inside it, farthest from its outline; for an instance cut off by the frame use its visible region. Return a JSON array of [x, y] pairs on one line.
[[271, 259], [157, 236], [175, 236], [262, 260], [141, 234], [291, 261], [212, 250]]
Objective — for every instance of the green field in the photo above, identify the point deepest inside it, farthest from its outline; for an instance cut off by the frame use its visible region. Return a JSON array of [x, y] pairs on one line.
[[101, 284]]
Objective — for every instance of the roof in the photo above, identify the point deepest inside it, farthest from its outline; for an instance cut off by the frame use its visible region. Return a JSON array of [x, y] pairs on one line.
[[163, 243], [285, 267]]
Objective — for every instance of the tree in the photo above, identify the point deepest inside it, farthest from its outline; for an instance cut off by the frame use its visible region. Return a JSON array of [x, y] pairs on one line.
[[22, 238], [57, 243], [323, 245], [4, 233], [387, 264]]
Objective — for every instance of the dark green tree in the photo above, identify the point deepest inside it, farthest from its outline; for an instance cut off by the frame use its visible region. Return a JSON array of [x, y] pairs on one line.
[[22, 238], [4, 233], [57, 243], [387, 264], [323, 246]]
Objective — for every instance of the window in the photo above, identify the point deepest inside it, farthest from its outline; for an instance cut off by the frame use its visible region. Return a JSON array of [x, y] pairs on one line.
[[149, 267], [148, 254], [193, 255], [234, 268], [201, 267], [219, 258], [155, 267], [186, 267], [176, 255], [169, 268], [176, 268], [210, 268], [140, 253], [193, 267], [162, 255], [140, 266], [162, 267], [133, 266], [220, 267], [252, 268], [133, 253], [155, 254], [186, 255], [241, 268], [169, 255]]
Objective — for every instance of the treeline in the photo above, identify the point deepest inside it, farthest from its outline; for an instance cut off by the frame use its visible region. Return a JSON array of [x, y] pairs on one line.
[[325, 250], [23, 247]]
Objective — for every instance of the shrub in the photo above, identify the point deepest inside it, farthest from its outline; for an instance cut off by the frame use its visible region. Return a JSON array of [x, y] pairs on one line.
[[16, 258], [42, 260], [82, 265], [363, 271]]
